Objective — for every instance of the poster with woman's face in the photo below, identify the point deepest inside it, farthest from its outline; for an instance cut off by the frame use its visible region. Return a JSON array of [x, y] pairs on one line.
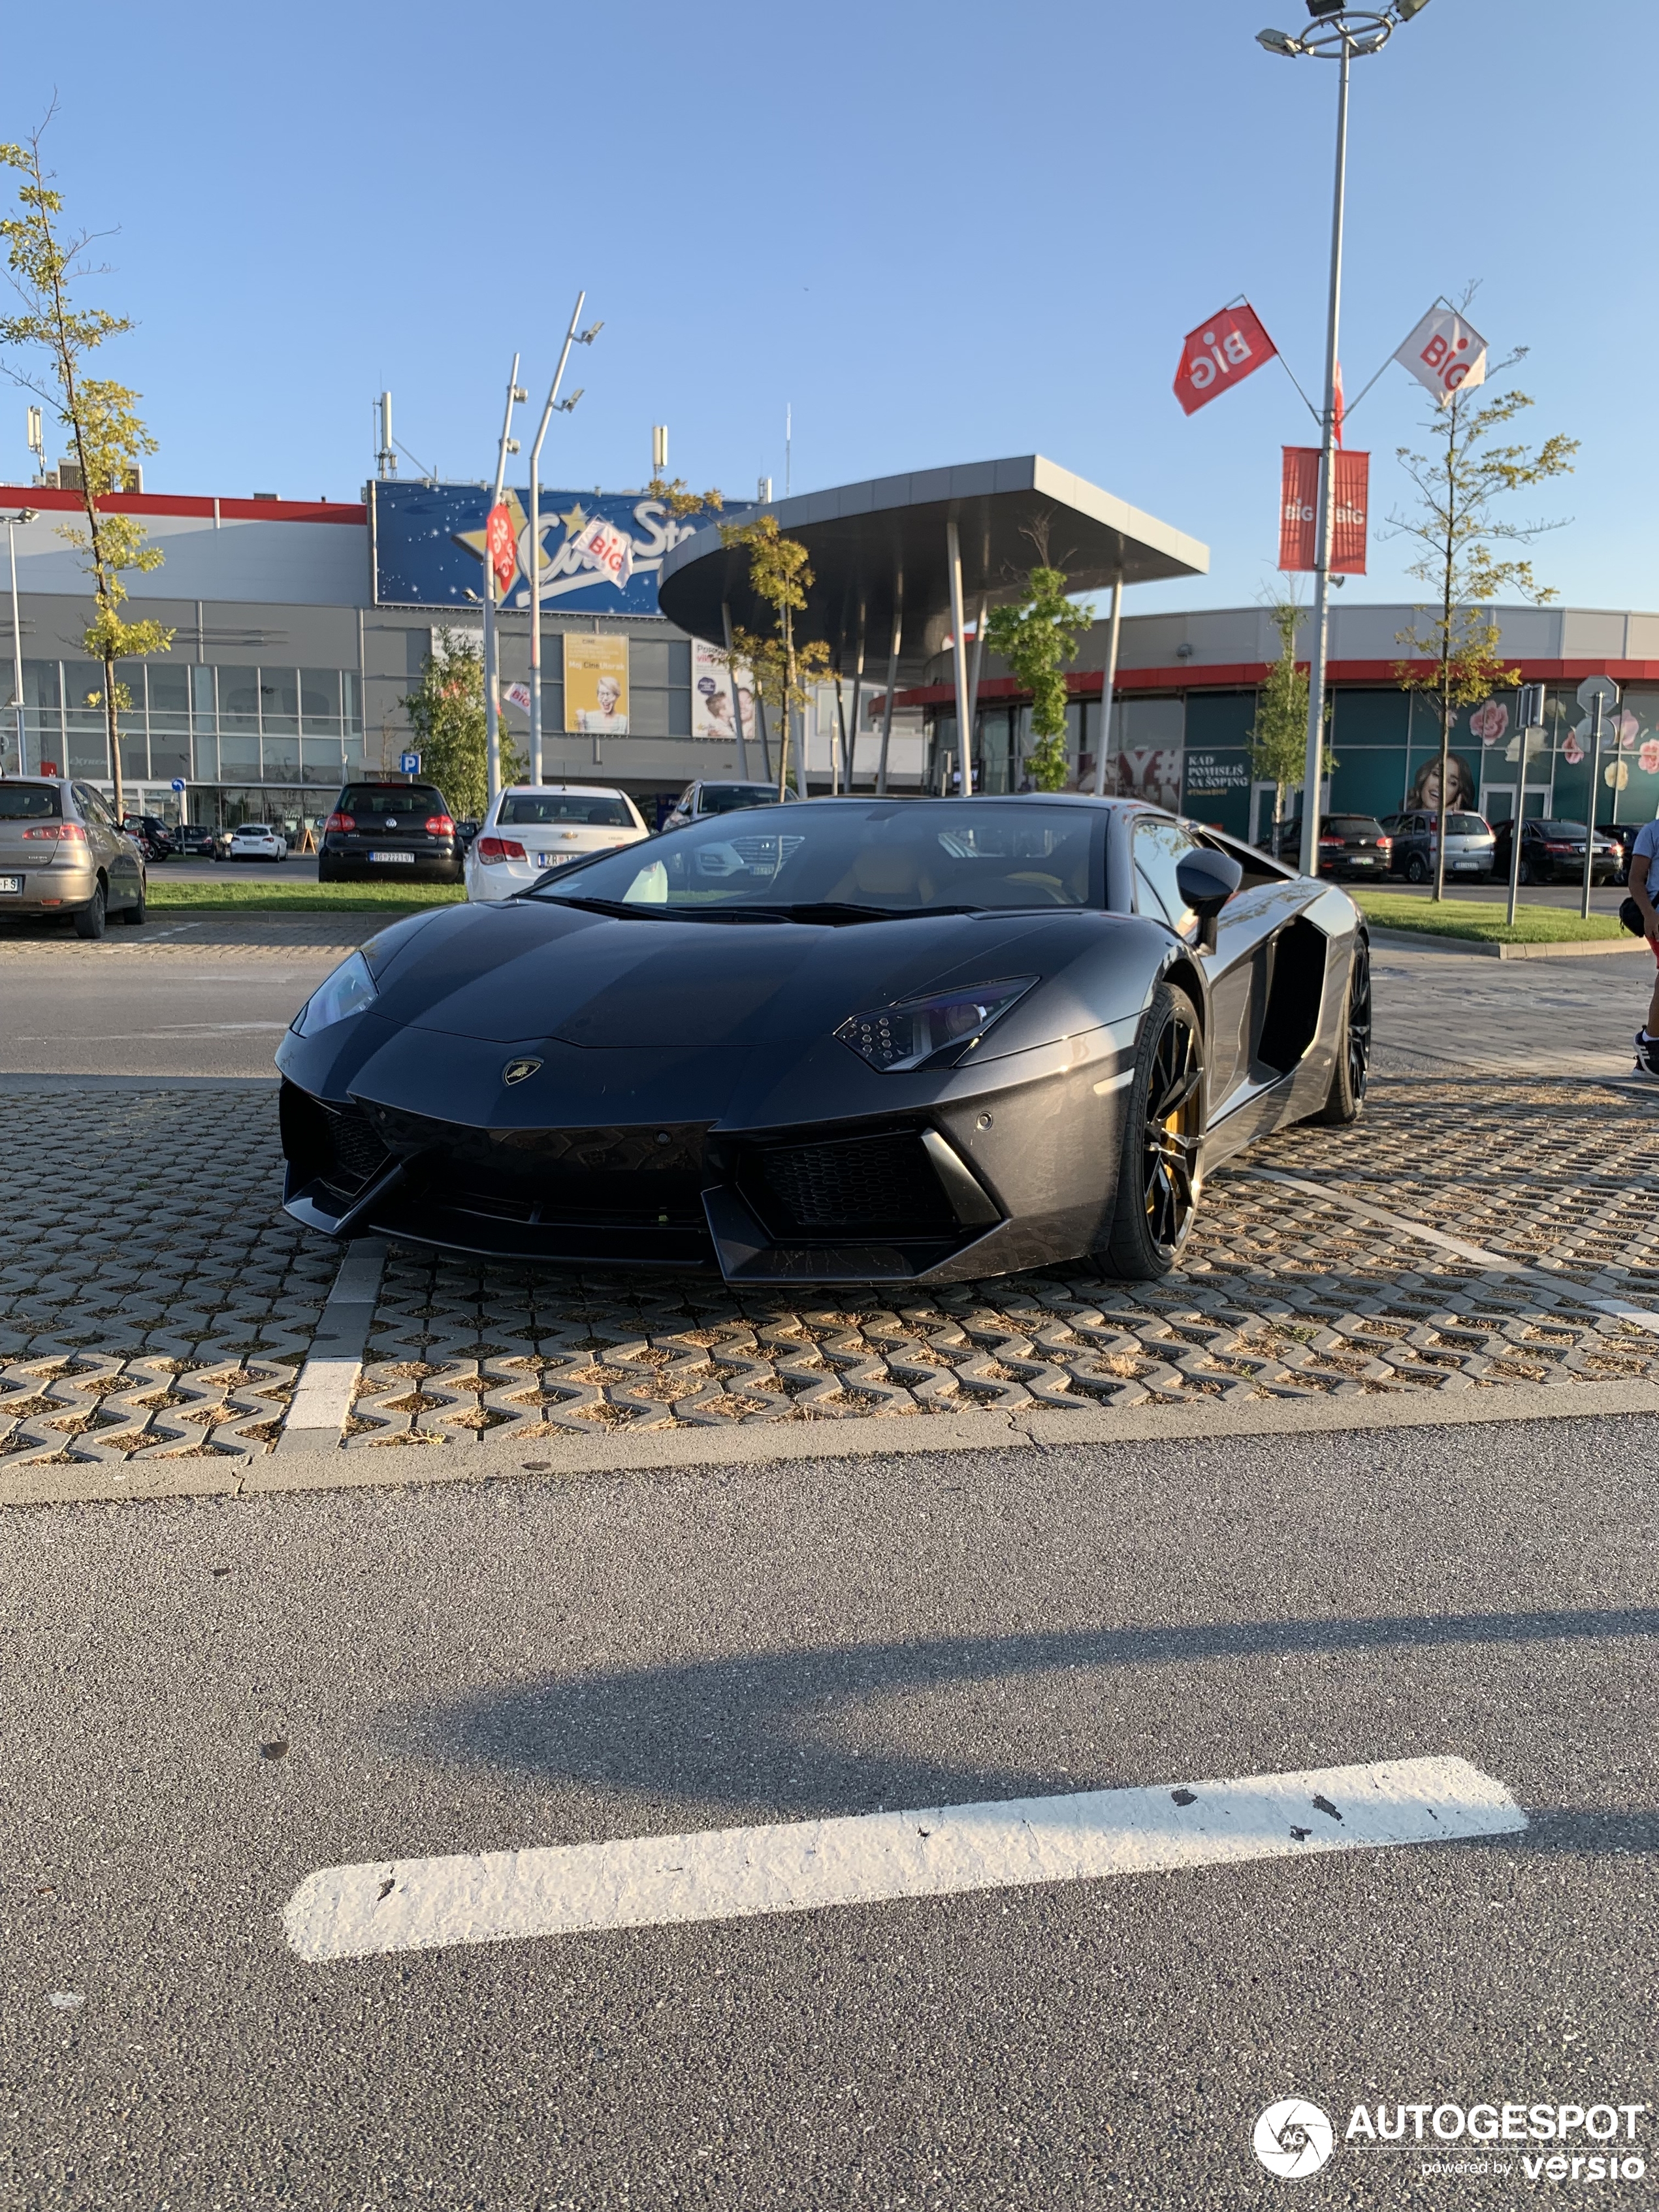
[[596, 684], [1425, 792]]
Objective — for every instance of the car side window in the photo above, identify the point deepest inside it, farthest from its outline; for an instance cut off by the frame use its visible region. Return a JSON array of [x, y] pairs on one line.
[[1160, 846], [92, 804]]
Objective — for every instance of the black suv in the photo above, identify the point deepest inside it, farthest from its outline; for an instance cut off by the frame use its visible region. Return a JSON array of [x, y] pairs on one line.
[[379, 830]]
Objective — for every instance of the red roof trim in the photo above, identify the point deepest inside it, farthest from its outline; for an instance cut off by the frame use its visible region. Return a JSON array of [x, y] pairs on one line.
[[148, 502], [1245, 675]]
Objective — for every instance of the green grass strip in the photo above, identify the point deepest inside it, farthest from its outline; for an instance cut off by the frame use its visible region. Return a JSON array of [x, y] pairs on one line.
[[300, 897], [1532, 925]]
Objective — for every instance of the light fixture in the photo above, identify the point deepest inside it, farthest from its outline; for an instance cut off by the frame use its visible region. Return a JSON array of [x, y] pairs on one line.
[[1317, 7], [1370, 42], [1405, 9], [1279, 42]]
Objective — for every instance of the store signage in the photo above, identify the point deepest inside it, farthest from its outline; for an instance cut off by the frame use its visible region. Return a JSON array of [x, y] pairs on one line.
[[1298, 511], [1220, 353], [429, 544], [1445, 354]]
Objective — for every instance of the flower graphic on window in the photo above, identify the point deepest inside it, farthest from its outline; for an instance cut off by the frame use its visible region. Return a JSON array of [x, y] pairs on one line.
[[1616, 775], [1649, 757], [1627, 728], [1488, 723], [1571, 752]]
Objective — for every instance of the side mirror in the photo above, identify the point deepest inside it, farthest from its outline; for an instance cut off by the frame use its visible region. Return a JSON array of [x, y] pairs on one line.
[[1206, 880]]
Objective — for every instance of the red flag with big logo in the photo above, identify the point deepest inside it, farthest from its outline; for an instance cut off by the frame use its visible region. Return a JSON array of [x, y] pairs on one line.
[[1220, 353], [503, 553], [1298, 511]]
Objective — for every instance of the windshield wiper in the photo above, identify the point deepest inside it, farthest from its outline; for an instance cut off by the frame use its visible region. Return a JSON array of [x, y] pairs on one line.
[[640, 910], [836, 912]]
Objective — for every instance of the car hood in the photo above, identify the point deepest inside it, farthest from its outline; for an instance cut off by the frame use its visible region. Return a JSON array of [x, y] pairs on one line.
[[537, 969]]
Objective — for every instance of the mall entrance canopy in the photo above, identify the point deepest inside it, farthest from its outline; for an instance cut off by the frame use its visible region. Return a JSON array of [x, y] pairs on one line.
[[898, 563]]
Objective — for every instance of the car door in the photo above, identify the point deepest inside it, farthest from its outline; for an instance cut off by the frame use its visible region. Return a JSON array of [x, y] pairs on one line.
[[116, 853], [1158, 844]]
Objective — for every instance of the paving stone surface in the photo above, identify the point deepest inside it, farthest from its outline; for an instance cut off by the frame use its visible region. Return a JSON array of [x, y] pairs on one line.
[[129, 1330]]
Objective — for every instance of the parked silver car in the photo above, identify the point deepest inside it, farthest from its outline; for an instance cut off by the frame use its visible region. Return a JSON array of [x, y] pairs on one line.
[[64, 855]]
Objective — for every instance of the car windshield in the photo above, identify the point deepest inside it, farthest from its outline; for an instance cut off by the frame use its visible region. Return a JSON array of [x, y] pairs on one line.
[[727, 797], [599, 809], [28, 802], [850, 859], [1353, 825], [1466, 825], [391, 799], [1558, 828]]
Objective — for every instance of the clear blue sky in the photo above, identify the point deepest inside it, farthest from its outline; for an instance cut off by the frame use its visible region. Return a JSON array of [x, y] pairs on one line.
[[942, 233]]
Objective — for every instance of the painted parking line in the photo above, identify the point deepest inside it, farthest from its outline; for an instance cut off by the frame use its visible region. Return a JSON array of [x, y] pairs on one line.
[[729, 1874], [1493, 1263], [321, 1404]]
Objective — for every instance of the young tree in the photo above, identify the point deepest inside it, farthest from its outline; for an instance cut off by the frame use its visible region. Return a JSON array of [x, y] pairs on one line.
[[1042, 629], [1459, 536], [447, 713], [1278, 736], [48, 266], [783, 666]]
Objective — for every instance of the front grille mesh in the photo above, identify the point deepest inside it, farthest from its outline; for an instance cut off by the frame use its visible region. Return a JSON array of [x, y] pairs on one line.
[[358, 1152], [857, 1183]]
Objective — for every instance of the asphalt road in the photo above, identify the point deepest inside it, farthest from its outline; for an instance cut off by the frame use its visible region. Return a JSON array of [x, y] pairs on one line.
[[84, 1010], [209, 1701]]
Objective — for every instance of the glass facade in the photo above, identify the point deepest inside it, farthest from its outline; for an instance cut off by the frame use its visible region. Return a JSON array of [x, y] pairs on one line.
[[291, 728], [1192, 754]]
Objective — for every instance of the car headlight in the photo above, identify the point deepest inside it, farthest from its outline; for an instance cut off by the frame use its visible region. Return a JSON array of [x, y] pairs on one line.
[[346, 992], [910, 1034]]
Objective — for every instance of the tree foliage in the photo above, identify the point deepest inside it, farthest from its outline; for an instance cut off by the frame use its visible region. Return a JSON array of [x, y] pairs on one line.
[[783, 666], [1279, 736], [48, 266], [1036, 637], [1460, 539], [447, 713]]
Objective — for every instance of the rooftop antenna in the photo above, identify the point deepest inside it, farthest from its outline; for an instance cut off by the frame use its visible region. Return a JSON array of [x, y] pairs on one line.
[[38, 441], [658, 449], [788, 435], [386, 461]]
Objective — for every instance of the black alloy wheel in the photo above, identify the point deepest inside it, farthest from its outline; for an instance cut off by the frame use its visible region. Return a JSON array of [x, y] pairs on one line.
[[1353, 1062], [1417, 869], [1159, 1170], [90, 921]]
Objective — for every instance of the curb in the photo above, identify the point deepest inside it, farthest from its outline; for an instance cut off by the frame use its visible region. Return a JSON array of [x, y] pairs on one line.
[[661, 1451], [1428, 940]]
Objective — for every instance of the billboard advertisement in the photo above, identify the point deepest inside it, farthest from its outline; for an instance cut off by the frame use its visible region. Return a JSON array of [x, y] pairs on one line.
[[600, 551], [712, 713], [596, 684]]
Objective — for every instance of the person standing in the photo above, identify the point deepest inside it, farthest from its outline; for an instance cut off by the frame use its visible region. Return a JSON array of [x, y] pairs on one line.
[[1643, 883]]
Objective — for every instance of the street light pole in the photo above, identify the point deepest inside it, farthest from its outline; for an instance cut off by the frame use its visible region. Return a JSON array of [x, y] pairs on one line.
[[563, 407], [1336, 34], [12, 521], [1314, 763], [492, 645]]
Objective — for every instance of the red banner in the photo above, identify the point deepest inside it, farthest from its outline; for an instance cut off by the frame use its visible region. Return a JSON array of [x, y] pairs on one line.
[[1219, 354], [1298, 511], [503, 552]]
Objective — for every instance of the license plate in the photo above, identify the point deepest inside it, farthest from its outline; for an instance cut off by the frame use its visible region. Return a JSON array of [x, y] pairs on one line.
[[1466, 863], [11, 885], [551, 859], [408, 857]]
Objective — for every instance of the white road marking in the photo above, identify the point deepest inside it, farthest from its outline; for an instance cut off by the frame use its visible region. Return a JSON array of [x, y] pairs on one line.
[[1494, 1262], [728, 1873], [322, 1397], [328, 1381]]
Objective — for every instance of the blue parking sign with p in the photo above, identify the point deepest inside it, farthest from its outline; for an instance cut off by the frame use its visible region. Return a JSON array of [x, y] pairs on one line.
[[409, 763]]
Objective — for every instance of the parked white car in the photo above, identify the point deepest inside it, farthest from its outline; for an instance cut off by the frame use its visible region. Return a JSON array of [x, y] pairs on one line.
[[534, 827], [256, 840]]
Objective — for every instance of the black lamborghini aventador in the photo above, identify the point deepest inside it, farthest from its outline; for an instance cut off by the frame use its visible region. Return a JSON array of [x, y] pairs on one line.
[[859, 1040]]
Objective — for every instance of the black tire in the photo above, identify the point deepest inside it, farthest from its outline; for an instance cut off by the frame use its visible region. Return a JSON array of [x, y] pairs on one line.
[[1417, 869], [1346, 1095], [1524, 873], [133, 915], [91, 921], [1159, 1170]]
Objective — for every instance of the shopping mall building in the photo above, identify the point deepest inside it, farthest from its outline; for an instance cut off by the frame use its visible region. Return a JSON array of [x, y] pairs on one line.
[[300, 628]]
